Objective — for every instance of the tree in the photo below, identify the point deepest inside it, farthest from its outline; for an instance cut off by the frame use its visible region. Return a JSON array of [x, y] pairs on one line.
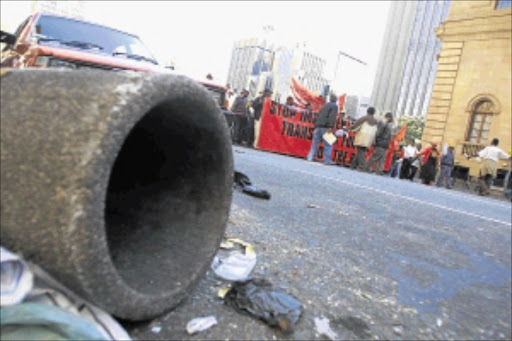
[[415, 125]]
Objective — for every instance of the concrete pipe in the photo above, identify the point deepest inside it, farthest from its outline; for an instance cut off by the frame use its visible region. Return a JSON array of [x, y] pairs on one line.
[[118, 184]]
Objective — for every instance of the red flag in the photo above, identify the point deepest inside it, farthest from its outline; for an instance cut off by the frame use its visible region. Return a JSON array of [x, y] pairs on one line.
[[341, 102], [401, 134], [303, 95]]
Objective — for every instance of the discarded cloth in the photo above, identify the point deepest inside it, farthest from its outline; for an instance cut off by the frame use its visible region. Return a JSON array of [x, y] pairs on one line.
[[16, 278], [37, 321], [47, 291], [242, 181], [259, 298]]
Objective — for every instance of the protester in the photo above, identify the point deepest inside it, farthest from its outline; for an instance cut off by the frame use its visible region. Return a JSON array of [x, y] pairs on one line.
[[381, 144], [241, 111], [447, 163], [230, 98], [209, 77], [428, 170], [416, 163], [410, 152], [257, 105], [309, 106], [249, 129], [290, 101], [396, 163], [324, 122], [365, 129], [490, 156]]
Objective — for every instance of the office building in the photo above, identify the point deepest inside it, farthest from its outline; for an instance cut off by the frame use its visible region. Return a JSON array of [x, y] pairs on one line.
[[251, 64], [407, 61], [300, 64]]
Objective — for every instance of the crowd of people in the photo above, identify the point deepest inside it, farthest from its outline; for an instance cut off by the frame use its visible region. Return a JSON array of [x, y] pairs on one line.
[[407, 160], [247, 116]]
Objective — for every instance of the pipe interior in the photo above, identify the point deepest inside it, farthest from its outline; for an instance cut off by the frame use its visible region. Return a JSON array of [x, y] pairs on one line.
[[163, 221]]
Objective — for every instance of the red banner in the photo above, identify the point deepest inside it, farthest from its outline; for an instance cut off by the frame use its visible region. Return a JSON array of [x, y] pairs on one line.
[[289, 130]]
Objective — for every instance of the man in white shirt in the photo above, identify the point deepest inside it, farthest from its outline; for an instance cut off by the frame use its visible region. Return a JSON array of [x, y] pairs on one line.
[[410, 152], [490, 156]]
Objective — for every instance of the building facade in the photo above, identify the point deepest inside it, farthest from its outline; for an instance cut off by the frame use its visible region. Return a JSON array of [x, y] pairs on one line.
[[251, 64], [407, 62], [300, 64], [256, 65], [471, 98]]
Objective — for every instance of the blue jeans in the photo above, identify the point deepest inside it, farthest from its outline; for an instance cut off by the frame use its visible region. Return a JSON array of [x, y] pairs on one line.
[[317, 138], [394, 170], [445, 175]]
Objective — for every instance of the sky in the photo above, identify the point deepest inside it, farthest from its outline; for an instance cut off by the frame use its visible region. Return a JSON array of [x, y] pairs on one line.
[[198, 36]]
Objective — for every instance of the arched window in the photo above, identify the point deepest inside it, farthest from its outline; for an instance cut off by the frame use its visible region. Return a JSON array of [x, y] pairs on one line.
[[481, 117]]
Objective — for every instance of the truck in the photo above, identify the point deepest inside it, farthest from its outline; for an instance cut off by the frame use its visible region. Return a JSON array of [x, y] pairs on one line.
[[52, 41]]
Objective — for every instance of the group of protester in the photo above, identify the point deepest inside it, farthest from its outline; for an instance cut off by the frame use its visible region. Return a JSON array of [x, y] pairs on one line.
[[406, 161], [409, 159], [369, 132], [247, 116]]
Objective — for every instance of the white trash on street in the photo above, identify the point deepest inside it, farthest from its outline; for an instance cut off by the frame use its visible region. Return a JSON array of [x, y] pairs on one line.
[[16, 278], [200, 323], [323, 328], [236, 266]]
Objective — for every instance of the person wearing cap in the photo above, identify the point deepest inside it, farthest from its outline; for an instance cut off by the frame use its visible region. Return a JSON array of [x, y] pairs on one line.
[[381, 145], [257, 106], [324, 122], [241, 111]]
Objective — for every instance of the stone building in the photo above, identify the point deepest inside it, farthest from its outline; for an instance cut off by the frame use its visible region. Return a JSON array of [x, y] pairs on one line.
[[471, 99]]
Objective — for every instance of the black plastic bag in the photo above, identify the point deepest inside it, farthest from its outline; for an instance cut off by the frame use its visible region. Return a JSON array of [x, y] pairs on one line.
[[259, 298]]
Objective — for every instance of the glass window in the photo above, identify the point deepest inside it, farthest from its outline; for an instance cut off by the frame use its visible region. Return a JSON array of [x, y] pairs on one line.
[[503, 4], [80, 34], [481, 117]]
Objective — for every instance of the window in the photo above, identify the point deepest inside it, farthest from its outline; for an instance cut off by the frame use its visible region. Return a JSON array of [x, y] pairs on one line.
[[481, 116], [503, 4]]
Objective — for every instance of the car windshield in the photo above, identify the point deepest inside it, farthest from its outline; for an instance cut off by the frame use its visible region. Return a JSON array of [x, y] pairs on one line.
[[83, 35]]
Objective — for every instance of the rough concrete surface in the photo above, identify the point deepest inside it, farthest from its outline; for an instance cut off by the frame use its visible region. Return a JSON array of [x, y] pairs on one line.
[[108, 179], [380, 258]]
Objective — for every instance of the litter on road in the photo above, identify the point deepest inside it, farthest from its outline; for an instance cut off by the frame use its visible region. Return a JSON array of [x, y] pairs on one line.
[[236, 266], [156, 328], [259, 298], [323, 328], [200, 323], [243, 182]]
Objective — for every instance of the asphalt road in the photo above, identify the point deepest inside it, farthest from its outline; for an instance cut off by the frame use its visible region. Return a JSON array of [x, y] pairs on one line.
[[381, 258]]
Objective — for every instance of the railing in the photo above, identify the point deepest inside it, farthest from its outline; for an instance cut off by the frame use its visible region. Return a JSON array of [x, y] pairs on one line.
[[471, 149]]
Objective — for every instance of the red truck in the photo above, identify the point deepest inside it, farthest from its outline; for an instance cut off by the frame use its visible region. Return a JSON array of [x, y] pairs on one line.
[[51, 41]]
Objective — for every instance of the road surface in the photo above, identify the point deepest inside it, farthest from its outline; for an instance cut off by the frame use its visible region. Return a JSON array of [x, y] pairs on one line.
[[381, 258]]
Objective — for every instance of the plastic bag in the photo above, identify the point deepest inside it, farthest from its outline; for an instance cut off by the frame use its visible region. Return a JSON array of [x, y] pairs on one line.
[[236, 267], [260, 299]]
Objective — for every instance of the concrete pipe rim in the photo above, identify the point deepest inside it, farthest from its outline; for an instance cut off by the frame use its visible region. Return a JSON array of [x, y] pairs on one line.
[[140, 291]]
